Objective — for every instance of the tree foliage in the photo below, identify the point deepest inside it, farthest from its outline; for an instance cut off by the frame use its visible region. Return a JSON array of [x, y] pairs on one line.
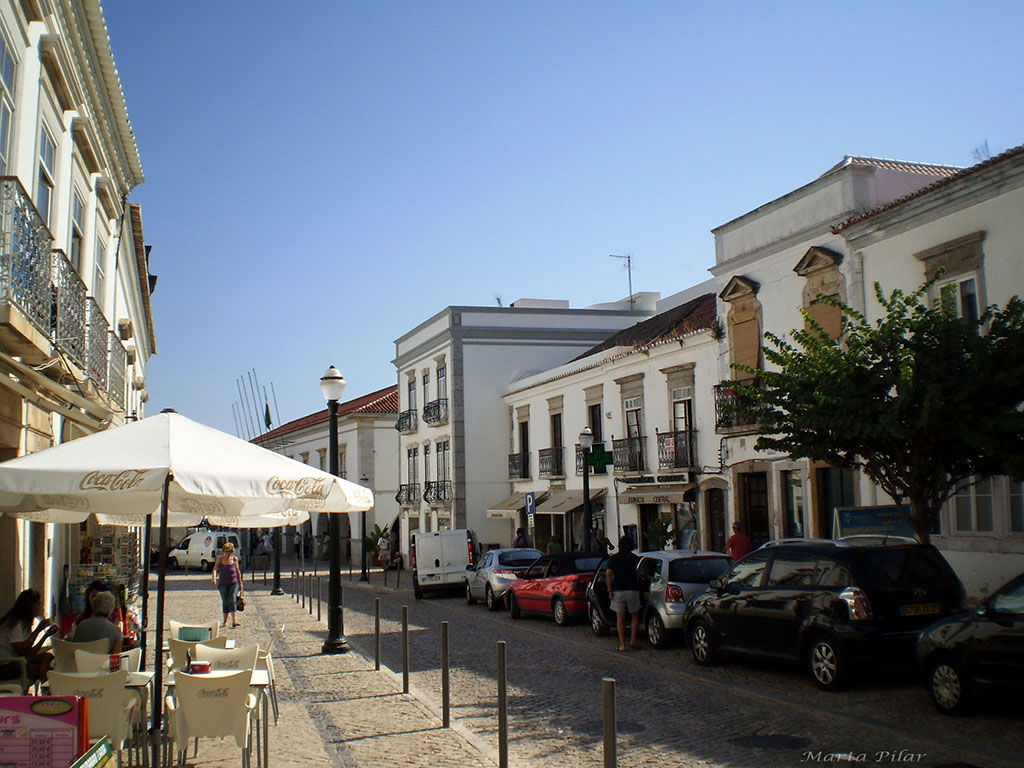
[[922, 401]]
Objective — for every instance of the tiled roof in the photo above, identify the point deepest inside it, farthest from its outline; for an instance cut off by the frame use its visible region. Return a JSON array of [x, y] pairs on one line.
[[382, 401], [929, 169], [688, 317], [963, 173]]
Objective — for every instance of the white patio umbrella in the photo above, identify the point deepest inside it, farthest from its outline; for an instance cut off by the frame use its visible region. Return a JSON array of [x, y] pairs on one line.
[[177, 467]]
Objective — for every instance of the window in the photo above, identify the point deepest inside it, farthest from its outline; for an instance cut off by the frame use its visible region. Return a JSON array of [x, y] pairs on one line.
[[342, 462], [1010, 601], [973, 507], [594, 421], [748, 572], [833, 574], [426, 386], [634, 416], [793, 570], [426, 463], [682, 409], [77, 236], [44, 184], [556, 430], [412, 456], [442, 460], [412, 394], [793, 488], [1017, 506], [6, 105], [524, 437], [322, 453], [962, 295], [99, 282], [442, 382]]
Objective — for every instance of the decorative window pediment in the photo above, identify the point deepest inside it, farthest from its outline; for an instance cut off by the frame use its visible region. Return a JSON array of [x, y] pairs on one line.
[[739, 287], [816, 259]]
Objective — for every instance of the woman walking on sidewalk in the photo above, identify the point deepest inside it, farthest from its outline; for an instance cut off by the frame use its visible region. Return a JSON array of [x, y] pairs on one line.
[[227, 577]]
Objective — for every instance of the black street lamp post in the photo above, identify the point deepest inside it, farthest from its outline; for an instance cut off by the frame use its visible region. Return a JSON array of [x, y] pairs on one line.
[[332, 384], [363, 576], [586, 443]]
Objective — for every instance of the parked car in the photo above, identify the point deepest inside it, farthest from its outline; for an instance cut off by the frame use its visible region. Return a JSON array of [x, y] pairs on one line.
[[200, 549], [668, 581], [489, 579], [976, 652], [554, 585], [830, 604], [439, 559]]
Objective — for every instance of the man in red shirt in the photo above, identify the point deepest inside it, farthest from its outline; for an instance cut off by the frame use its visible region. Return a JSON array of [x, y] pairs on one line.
[[738, 545]]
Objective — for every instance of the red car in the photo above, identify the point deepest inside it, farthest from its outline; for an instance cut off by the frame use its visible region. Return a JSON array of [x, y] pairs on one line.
[[554, 585]]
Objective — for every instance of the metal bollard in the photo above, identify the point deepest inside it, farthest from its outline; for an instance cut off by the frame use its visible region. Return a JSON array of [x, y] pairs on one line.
[[608, 711], [319, 598], [385, 571], [341, 611], [405, 649], [309, 591], [302, 591], [446, 719], [376, 633], [502, 709]]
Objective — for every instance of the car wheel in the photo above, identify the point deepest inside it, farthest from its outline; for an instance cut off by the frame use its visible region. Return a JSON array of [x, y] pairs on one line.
[[828, 663], [493, 603], [948, 686], [513, 606], [205, 566], [656, 634], [560, 612], [597, 626], [173, 563], [470, 600], [702, 644]]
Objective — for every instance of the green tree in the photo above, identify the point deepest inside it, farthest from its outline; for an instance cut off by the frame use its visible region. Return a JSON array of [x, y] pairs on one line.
[[922, 401]]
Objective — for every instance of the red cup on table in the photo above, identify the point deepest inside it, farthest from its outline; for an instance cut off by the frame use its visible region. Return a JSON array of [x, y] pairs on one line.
[[200, 667], [115, 662]]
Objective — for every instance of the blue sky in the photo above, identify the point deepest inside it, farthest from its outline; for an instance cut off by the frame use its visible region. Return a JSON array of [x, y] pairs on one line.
[[323, 176]]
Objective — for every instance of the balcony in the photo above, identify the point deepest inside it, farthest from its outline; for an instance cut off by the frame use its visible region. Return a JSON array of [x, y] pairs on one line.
[[408, 494], [97, 350], [117, 368], [727, 420], [598, 448], [407, 422], [436, 411], [519, 466], [677, 450], [552, 462], [438, 492], [629, 455], [68, 326]]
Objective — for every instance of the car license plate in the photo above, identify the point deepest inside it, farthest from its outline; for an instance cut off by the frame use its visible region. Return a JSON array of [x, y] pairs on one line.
[[430, 577], [921, 609]]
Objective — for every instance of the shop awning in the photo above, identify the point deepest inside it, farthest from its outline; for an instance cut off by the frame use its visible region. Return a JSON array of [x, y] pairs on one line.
[[560, 502], [507, 508], [675, 494]]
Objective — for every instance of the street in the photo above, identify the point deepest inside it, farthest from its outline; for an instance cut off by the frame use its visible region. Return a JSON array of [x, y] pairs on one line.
[[670, 712]]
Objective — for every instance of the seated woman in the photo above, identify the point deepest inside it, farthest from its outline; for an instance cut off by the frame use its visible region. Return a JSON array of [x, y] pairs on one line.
[[95, 587], [18, 638], [99, 626]]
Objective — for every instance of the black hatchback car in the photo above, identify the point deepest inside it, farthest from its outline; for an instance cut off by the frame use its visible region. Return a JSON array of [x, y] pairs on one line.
[[829, 603], [979, 651]]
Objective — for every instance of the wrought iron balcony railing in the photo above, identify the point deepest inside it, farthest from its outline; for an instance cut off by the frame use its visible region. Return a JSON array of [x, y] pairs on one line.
[[25, 245], [519, 466], [438, 492], [97, 352], [596, 448], [726, 418], [677, 450], [407, 421], [68, 318], [117, 369], [408, 493], [629, 454], [436, 411], [552, 462]]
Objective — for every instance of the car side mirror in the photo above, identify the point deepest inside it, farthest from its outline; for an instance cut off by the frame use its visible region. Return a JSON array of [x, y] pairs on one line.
[[715, 584]]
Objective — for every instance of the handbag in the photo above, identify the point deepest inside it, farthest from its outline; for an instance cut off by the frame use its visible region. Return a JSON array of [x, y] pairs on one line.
[[239, 603]]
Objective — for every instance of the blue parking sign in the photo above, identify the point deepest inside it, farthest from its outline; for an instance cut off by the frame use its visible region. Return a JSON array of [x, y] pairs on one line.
[[530, 502]]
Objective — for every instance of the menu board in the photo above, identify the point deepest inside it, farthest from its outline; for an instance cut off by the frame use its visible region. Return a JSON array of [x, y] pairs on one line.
[[42, 731]]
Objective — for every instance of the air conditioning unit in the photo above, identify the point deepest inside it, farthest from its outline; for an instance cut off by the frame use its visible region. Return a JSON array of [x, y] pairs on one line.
[[124, 329], [139, 383]]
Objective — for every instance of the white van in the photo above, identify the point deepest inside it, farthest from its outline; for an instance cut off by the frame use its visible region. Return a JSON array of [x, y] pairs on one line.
[[439, 559], [200, 549]]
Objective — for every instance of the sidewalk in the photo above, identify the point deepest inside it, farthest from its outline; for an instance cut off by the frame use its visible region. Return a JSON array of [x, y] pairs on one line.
[[335, 710]]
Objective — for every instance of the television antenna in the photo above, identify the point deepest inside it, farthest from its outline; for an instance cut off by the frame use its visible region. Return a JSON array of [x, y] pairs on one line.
[[628, 258]]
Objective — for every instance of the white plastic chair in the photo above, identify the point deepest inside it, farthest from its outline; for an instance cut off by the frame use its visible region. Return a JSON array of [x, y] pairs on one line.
[[243, 657], [211, 707], [64, 652], [100, 662], [112, 707], [265, 661], [194, 633], [182, 648]]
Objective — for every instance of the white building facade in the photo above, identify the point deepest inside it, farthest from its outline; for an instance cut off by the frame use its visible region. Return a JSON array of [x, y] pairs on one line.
[[453, 370], [367, 455], [76, 327]]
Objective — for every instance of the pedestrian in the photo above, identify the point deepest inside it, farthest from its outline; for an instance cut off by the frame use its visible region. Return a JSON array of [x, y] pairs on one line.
[[298, 544], [19, 639], [227, 577], [520, 541], [384, 548], [554, 547], [99, 626], [603, 545], [268, 543], [738, 546], [624, 590], [95, 587]]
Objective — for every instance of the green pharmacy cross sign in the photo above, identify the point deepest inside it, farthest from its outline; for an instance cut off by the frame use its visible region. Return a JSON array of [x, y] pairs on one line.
[[599, 458]]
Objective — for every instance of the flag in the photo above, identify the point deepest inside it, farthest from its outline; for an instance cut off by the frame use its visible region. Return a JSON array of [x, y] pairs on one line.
[[266, 416]]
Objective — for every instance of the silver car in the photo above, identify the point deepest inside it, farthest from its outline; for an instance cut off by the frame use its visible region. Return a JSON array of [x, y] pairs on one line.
[[493, 573]]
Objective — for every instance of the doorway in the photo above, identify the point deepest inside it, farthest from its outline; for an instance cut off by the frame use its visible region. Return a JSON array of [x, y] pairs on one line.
[[754, 501], [835, 489], [714, 501], [648, 515]]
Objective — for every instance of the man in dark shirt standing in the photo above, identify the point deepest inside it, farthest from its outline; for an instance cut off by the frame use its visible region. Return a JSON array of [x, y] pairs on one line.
[[624, 590]]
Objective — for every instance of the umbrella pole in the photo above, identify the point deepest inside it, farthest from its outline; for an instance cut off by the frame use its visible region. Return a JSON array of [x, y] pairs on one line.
[[158, 646], [147, 546]]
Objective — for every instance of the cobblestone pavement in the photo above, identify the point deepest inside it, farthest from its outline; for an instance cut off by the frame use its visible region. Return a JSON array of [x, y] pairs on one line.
[[339, 711], [334, 710]]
